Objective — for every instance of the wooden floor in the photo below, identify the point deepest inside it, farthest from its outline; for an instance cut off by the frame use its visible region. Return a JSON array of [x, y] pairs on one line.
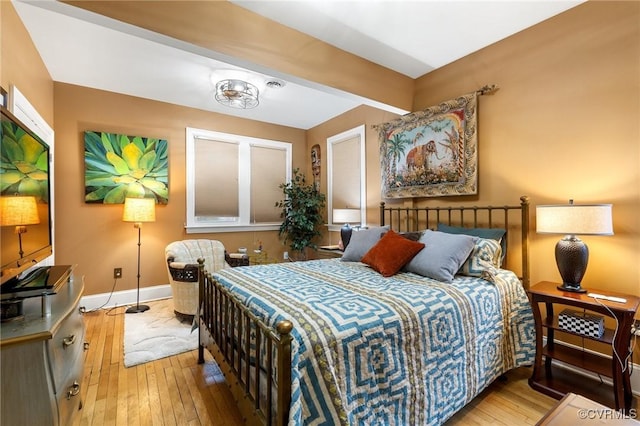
[[171, 391], [178, 391]]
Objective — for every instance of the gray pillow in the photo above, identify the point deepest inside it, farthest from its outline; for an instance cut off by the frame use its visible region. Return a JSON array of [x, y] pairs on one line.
[[442, 256], [361, 242]]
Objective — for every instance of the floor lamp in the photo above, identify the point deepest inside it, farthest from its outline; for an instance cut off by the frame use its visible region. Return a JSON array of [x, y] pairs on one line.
[[138, 210]]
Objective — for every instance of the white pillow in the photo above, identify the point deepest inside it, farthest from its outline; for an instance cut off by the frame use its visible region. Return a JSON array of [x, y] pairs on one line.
[[484, 260]]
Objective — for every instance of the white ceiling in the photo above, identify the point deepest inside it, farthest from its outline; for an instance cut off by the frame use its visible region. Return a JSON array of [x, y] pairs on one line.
[[411, 37]]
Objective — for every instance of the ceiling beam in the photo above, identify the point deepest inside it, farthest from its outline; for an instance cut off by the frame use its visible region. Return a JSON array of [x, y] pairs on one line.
[[230, 30]]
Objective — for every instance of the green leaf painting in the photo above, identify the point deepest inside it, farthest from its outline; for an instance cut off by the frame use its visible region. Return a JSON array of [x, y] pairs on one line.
[[23, 164], [119, 166]]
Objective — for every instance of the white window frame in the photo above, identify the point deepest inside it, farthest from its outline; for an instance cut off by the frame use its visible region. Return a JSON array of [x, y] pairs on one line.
[[242, 223], [358, 132]]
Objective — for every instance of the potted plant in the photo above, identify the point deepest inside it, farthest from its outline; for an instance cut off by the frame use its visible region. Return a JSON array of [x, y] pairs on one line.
[[301, 213]]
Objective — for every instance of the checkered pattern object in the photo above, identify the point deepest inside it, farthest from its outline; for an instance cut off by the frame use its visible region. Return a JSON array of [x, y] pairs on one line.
[[581, 323]]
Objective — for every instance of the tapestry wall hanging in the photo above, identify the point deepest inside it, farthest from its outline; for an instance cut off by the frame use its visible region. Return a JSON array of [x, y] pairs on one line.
[[432, 153], [120, 166]]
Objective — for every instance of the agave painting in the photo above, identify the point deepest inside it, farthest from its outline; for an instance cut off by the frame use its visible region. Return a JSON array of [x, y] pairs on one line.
[[24, 163], [120, 166]]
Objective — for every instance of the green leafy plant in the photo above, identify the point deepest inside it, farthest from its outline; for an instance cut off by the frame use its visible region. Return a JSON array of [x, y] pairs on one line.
[[301, 213], [119, 166], [23, 164]]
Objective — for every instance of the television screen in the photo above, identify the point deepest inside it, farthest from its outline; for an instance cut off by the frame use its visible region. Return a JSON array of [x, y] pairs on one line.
[[25, 213]]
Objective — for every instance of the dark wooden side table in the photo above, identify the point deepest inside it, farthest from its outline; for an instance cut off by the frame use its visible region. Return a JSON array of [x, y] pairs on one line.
[[236, 259], [542, 378], [328, 253]]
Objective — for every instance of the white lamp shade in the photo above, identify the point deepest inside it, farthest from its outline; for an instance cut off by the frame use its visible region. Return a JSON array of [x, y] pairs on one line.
[[346, 215], [574, 219], [18, 211], [139, 210]]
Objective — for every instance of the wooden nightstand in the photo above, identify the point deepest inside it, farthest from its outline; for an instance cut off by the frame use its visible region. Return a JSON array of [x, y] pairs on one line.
[[260, 257], [328, 253], [560, 383], [236, 259]]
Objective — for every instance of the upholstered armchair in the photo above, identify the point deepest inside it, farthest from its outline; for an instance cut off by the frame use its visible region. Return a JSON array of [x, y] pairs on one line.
[[182, 267]]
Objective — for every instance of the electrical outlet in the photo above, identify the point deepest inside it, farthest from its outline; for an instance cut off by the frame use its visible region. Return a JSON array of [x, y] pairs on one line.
[[285, 255], [117, 273]]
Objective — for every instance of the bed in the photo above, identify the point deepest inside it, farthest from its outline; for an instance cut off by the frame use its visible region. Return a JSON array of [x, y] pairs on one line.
[[347, 341]]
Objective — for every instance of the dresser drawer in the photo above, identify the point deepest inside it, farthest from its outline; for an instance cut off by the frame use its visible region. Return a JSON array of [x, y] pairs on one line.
[[41, 361], [66, 347], [68, 396]]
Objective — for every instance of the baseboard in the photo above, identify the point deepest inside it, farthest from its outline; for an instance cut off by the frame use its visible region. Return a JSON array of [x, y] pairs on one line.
[[635, 378], [125, 297]]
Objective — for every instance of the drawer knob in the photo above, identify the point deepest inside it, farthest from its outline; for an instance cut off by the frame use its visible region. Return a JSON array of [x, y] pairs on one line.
[[73, 389], [86, 346], [68, 341]]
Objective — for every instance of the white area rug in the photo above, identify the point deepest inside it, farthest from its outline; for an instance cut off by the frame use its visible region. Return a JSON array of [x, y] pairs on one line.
[[155, 334]]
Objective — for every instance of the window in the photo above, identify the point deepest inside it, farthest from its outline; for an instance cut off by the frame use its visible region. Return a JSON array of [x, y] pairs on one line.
[[346, 174], [233, 181]]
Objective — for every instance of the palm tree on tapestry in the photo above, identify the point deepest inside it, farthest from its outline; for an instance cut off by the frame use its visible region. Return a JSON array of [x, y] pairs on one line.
[[395, 148]]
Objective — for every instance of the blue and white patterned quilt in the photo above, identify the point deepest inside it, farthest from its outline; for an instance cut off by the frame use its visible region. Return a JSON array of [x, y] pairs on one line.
[[403, 350]]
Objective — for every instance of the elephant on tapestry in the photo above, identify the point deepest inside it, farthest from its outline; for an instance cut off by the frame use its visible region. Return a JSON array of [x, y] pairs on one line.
[[419, 156]]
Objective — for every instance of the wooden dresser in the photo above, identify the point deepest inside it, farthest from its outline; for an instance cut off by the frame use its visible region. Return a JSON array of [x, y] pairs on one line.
[[42, 360]]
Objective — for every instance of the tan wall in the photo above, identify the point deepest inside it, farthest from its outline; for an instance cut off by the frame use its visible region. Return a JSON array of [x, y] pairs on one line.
[[356, 117], [93, 235], [21, 65], [564, 124]]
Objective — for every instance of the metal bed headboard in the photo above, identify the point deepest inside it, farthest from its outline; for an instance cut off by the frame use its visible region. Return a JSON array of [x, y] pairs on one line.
[[408, 219]]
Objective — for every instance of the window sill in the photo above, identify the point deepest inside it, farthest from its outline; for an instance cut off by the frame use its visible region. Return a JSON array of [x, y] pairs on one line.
[[208, 229], [337, 228]]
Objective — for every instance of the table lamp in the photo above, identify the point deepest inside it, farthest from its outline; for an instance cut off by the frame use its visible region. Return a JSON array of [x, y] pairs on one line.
[[19, 211], [138, 210], [572, 255], [346, 216]]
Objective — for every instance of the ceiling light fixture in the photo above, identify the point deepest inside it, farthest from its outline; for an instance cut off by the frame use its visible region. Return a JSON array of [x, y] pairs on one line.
[[237, 94]]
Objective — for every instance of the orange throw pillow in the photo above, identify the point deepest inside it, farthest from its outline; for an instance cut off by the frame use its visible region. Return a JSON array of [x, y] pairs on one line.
[[391, 253]]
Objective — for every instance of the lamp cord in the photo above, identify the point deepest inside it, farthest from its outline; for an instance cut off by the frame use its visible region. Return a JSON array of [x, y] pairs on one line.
[[623, 363], [105, 303]]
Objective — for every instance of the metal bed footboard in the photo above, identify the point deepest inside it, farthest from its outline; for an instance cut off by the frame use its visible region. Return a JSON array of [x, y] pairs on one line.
[[247, 351]]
